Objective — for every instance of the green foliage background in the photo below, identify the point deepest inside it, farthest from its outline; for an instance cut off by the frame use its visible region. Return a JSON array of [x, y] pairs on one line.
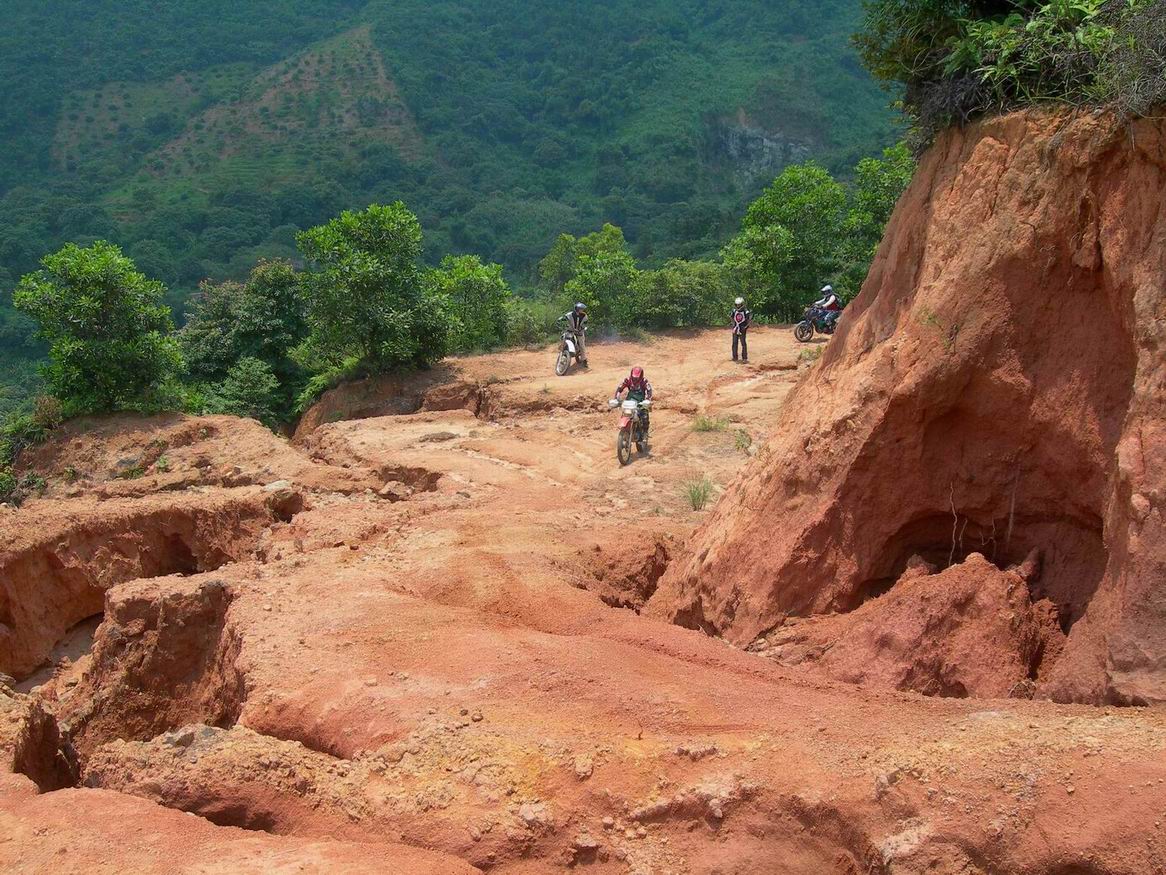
[[203, 137]]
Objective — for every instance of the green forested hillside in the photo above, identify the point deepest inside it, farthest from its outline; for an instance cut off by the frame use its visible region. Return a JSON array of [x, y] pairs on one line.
[[202, 136]]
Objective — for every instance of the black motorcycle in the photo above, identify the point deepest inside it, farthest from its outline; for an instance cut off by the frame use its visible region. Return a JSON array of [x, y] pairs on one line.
[[815, 319]]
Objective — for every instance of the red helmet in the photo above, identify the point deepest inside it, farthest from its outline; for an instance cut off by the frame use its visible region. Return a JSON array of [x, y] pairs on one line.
[[637, 373]]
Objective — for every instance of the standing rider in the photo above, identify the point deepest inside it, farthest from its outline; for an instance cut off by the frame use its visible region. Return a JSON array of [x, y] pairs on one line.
[[741, 319], [577, 323], [830, 303], [638, 389]]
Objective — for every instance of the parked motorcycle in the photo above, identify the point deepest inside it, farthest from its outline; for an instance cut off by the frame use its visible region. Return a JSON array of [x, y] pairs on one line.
[[568, 352], [814, 320], [631, 427]]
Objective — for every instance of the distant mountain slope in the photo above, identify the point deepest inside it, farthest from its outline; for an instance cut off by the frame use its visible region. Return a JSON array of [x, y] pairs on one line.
[[202, 136]]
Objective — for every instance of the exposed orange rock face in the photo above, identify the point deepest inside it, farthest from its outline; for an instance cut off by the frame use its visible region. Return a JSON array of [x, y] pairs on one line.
[[998, 387]]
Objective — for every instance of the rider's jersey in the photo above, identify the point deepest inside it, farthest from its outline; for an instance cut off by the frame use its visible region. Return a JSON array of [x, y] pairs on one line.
[[829, 302], [638, 390], [577, 321], [741, 319]]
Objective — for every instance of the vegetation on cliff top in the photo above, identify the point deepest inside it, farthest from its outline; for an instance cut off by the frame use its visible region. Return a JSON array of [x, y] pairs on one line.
[[958, 59]]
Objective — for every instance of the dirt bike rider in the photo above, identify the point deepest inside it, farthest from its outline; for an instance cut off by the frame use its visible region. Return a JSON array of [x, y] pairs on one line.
[[829, 302], [638, 389], [577, 324], [741, 319]]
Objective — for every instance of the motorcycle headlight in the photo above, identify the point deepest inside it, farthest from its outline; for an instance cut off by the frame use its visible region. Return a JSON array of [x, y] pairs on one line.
[[630, 406]]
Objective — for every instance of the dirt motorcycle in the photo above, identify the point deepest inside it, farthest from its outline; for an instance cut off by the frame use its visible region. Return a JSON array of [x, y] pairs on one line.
[[631, 427], [568, 352], [815, 319]]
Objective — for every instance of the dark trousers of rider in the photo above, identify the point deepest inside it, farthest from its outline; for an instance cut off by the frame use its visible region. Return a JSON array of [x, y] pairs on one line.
[[740, 336]]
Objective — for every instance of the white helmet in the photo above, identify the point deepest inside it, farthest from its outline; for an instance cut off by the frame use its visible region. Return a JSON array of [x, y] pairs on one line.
[[827, 289], [739, 301]]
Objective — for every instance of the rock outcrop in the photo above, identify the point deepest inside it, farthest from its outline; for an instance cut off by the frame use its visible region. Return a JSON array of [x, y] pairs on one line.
[[998, 387]]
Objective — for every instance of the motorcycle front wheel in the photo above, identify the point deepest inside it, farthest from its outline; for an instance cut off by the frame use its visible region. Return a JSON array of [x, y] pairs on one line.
[[562, 363], [623, 446], [803, 332]]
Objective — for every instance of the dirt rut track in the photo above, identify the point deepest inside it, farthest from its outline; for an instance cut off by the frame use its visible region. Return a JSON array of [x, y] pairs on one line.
[[422, 656]]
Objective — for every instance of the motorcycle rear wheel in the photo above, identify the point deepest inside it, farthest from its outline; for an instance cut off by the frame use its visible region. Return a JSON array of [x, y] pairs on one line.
[[623, 446], [803, 332], [563, 363]]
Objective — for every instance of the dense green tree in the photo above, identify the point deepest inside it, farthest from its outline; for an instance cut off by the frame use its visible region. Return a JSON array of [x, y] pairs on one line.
[[478, 297], [562, 263], [365, 292], [755, 260], [250, 389], [789, 245], [878, 184], [106, 326], [682, 294], [262, 318], [807, 229], [606, 283]]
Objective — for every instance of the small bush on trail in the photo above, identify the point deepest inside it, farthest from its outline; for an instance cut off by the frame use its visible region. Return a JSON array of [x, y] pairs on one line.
[[742, 440], [698, 492], [812, 354], [710, 423]]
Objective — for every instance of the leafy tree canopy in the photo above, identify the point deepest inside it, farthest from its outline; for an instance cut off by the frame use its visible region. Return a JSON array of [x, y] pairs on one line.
[[365, 293], [106, 326], [478, 299]]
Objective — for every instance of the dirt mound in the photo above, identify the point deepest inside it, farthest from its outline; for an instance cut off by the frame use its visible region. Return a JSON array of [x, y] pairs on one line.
[[165, 657], [95, 831], [129, 456], [625, 573], [971, 630], [995, 392]]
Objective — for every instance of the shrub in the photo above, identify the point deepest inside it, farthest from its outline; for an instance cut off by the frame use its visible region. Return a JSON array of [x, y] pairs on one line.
[[250, 389], [478, 298], [606, 282], [365, 293], [331, 377], [530, 323], [682, 294], [262, 318], [707, 423], [961, 58], [698, 492], [9, 487], [106, 325]]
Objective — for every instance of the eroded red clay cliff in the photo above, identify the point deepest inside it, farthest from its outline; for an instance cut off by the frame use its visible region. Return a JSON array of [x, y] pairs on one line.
[[998, 387]]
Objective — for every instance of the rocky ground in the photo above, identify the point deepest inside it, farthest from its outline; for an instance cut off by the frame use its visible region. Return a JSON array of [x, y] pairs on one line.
[[410, 640]]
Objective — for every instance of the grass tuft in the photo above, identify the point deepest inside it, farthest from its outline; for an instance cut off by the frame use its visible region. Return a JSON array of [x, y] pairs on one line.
[[698, 492], [710, 423]]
